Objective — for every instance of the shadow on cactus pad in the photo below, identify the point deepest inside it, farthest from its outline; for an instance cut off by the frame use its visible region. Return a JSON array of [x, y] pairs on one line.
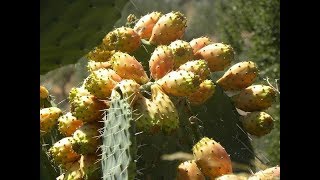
[[69, 29]]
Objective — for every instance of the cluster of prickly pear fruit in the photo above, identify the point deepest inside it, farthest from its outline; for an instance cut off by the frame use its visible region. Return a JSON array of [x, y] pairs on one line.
[[211, 160], [76, 154], [178, 69]]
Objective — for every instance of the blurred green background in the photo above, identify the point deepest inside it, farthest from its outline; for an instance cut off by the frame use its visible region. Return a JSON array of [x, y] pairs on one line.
[[251, 27]]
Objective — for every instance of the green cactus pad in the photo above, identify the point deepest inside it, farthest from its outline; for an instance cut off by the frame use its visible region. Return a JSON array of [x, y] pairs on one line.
[[69, 29], [119, 145]]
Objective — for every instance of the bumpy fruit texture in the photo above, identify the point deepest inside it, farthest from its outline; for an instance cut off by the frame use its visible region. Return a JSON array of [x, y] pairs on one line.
[[144, 115], [166, 111], [68, 124], [205, 91], [218, 56], [199, 43], [123, 39], [169, 27], [128, 67], [87, 107], [146, 23], [93, 65], [44, 93], [272, 173], [198, 67], [161, 62], [212, 158], [156, 114], [258, 123], [189, 170], [48, 118], [74, 173], [101, 82], [62, 152], [90, 167], [182, 52], [179, 83], [98, 54], [78, 92], [255, 98], [86, 138], [239, 76], [130, 90], [231, 177]]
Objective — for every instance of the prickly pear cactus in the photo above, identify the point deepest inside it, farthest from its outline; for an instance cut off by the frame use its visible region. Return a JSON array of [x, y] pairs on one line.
[[154, 115], [119, 144]]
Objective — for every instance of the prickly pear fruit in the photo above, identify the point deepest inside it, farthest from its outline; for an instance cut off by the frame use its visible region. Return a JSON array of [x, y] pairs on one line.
[[73, 173], [90, 167], [189, 170], [205, 91], [123, 39], [231, 177], [86, 138], [199, 43], [146, 23], [182, 52], [48, 118], [156, 114], [239, 76], [144, 115], [218, 56], [255, 98], [272, 173], [211, 158], [198, 67], [161, 62], [67, 124], [93, 65], [179, 83], [98, 54], [128, 67], [169, 27], [101, 82], [62, 152], [166, 111], [44, 93], [130, 90], [78, 92], [85, 106], [258, 123]]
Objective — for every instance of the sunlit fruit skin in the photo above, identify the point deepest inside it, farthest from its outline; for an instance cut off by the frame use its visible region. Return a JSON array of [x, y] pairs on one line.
[[199, 43], [218, 55], [239, 76], [128, 67], [255, 98], [189, 170], [258, 123], [182, 52], [179, 83], [146, 23], [48, 118], [205, 91], [169, 27], [123, 39], [211, 158], [161, 62]]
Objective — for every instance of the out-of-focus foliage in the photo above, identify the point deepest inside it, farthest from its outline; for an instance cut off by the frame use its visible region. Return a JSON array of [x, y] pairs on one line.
[[253, 29]]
